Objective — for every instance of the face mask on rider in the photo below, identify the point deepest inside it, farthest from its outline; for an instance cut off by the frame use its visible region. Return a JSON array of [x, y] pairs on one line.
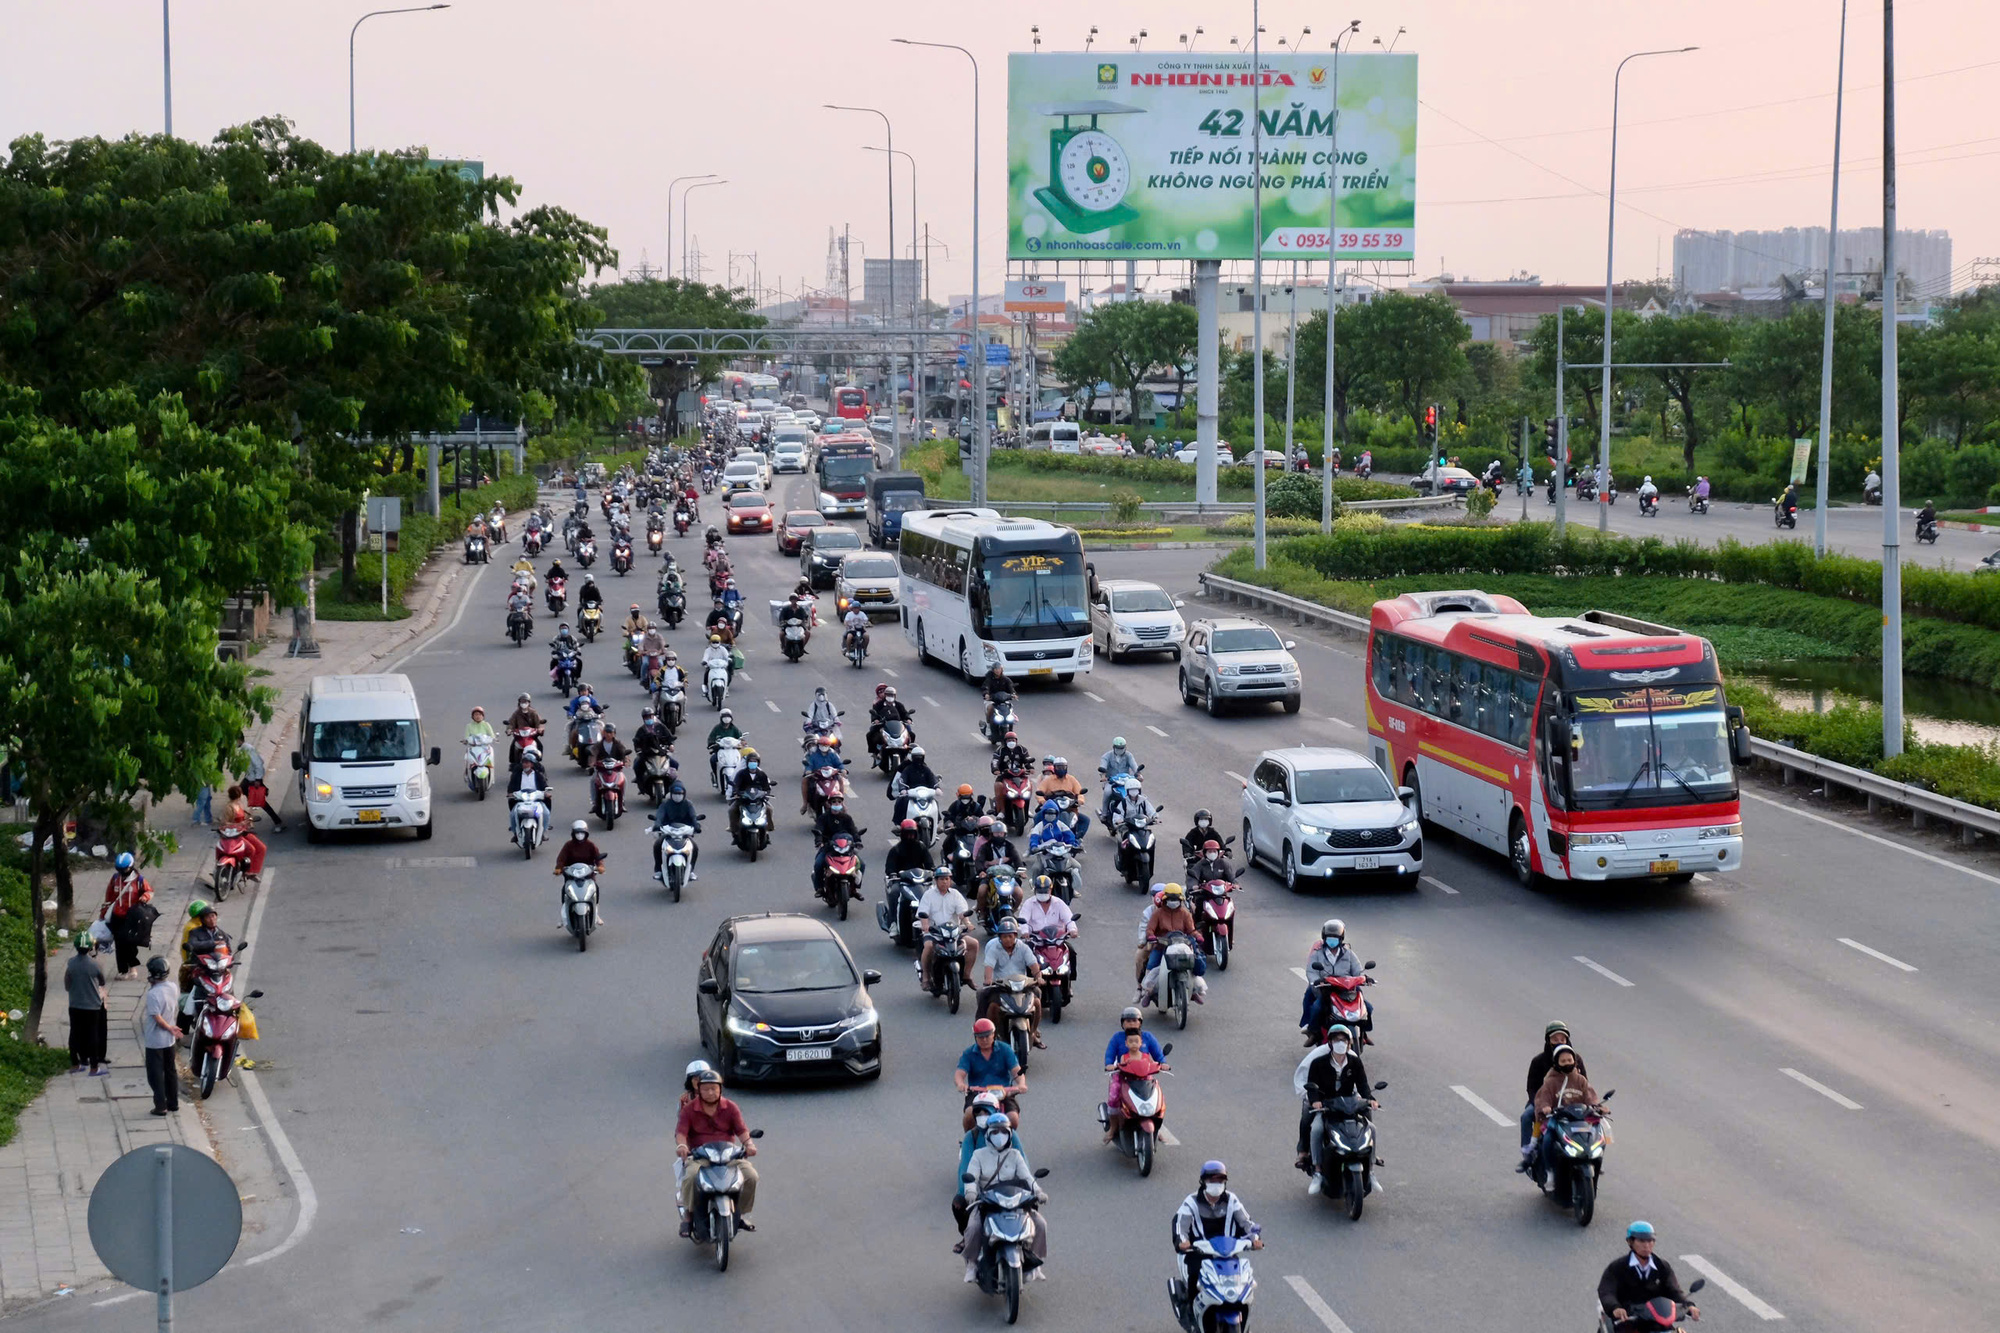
[[1339, 1048], [1213, 1189], [1043, 896], [997, 1140]]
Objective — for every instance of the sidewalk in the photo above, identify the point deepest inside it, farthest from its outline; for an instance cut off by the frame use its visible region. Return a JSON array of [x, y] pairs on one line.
[[80, 1125]]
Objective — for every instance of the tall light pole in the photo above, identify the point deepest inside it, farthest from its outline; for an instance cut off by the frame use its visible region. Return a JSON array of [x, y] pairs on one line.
[[889, 306], [698, 185], [976, 358], [167, 59], [1826, 293], [1332, 290], [1892, 480], [373, 13], [706, 175], [1257, 269], [1610, 236], [916, 355]]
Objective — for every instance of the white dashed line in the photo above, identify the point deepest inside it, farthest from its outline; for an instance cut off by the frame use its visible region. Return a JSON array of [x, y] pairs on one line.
[[1343, 722], [1440, 885], [1601, 970], [1299, 972], [1156, 731], [1886, 842], [1481, 1105], [1094, 698], [891, 673], [1334, 1323], [1732, 1286], [1231, 773], [1167, 1139], [932, 702], [1822, 1090], [1877, 953], [771, 705]]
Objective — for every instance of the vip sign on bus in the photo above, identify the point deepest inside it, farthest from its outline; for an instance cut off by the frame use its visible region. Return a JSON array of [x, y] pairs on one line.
[[1152, 155]]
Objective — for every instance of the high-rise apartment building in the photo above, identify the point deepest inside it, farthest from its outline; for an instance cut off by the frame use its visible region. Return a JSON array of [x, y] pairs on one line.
[[1731, 261]]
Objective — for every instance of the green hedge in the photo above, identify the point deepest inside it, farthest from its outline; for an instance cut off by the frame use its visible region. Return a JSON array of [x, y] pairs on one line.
[[421, 535], [23, 1068], [1239, 483]]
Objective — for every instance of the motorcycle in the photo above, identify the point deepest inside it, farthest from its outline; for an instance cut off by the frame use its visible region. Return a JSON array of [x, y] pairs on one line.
[[590, 622], [1175, 985], [896, 914], [656, 538], [750, 822], [948, 962], [792, 638], [1345, 1007], [214, 981], [1927, 532], [1058, 959], [725, 761], [1001, 719], [1059, 864], [579, 896], [1215, 919], [475, 549], [479, 767], [828, 782], [649, 671], [632, 654], [521, 737], [531, 820], [1569, 1157], [715, 683], [232, 860], [533, 540], [1006, 895], [842, 880], [1697, 504], [718, 1184], [856, 646], [956, 853], [673, 605], [215, 1041], [607, 791], [621, 556], [586, 552], [519, 626], [567, 671], [1660, 1312], [1649, 506], [1014, 998], [893, 746], [670, 702], [1784, 515], [676, 856], [1871, 495], [1005, 1226], [1343, 1144], [556, 596], [1142, 1111], [655, 772], [1226, 1289], [1135, 847], [1017, 792], [922, 807], [682, 521]]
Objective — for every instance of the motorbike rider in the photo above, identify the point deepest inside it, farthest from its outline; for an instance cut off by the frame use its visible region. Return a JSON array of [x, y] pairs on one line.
[[1061, 780], [795, 613], [720, 624], [1927, 516], [579, 850], [967, 806], [909, 852], [717, 654], [1701, 487], [820, 752], [1210, 1213], [1639, 1276], [1007, 955], [855, 625], [713, 1118], [1648, 492], [996, 688], [821, 715], [671, 675], [585, 697], [941, 903], [677, 809], [1789, 501], [1330, 958], [1170, 917], [1198, 833], [833, 821], [563, 644], [1044, 915], [995, 848], [1010, 756], [989, 1064], [528, 776], [1331, 1071], [1131, 1023], [524, 572], [1209, 864], [1118, 761], [479, 731], [520, 606], [1564, 1085], [635, 622], [915, 772], [523, 718], [1554, 1036], [653, 735], [885, 707], [751, 779], [1871, 485], [589, 594], [652, 647], [997, 1164], [725, 727]]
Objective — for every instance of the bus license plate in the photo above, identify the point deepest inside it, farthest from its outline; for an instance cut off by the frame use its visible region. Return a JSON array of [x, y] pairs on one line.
[[793, 1053], [1663, 867], [1041, 671], [1367, 863], [367, 816]]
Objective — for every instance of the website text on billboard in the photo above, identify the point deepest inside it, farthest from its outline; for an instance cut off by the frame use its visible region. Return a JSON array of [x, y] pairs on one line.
[[1152, 155]]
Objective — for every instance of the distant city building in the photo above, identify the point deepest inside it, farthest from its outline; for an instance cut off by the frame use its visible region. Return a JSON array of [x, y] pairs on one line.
[[1509, 310], [1734, 261], [875, 279]]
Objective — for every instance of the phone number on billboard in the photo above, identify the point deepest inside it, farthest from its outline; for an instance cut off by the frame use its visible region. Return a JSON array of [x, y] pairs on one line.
[[1306, 241]]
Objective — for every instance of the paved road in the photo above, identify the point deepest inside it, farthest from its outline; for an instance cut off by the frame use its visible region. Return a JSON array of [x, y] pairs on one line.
[[485, 1114]]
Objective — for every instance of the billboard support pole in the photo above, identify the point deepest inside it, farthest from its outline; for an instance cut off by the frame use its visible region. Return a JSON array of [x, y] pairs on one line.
[[1208, 336], [1257, 269]]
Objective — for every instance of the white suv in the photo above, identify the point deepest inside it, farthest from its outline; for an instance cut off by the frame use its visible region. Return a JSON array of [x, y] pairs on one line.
[[1329, 813], [1128, 616]]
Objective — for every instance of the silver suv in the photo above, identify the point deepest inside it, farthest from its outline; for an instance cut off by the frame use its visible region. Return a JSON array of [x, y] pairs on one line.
[[1231, 659]]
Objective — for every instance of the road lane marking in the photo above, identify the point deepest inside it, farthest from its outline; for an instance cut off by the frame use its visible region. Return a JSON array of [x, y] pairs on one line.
[[1601, 970], [932, 702], [1481, 1105], [1440, 885], [891, 672], [1822, 1090], [302, 1184], [1167, 1139], [1729, 1284], [433, 862], [1700, 878], [771, 704], [1299, 972], [1231, 773], [1343, 722], [1890, 843], [1877, 953], [1324, 1312], [1094, 698], [1156, 731], [464, 603]]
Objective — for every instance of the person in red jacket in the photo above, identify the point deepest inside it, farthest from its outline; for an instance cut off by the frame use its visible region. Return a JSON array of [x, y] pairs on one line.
[[713, 1118], [123, 896]]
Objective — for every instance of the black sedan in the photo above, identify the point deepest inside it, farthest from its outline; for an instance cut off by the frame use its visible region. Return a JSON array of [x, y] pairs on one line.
[[821, 552], [780, 997]]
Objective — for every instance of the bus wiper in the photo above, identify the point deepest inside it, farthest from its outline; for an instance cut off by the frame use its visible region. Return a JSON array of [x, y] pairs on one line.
[[1644, 764], [1683, 781]]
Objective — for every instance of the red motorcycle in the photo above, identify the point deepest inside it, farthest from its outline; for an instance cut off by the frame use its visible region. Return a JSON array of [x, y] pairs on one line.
[[841, 883], [557, 595], [827, 783], [215, 1038], [1058, 958], [522, 738], [232, 860], [1346, 1008], [1017, 792], [1215, 919], [607, 791], [214, 979], [1142, 1109]]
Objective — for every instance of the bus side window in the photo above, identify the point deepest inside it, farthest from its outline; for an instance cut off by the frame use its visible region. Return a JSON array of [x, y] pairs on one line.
[[1413, 674], [1522, 713], [1378, 663], [1462, 688], [1496, 702]]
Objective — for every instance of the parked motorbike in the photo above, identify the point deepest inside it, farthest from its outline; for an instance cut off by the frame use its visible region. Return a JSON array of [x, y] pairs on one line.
[[214, 980], [896, 914], [842, 880], [232, 860], [607, 791], [1343, 1147], [1569, 1157], [718, 1184], [676, 856], [215, 1041], [479, 767], [1142, 1109]]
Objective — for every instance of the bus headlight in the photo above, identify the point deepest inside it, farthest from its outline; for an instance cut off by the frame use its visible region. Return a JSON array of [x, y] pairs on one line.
[[1721, 831], [322, 790], [1597, 840]]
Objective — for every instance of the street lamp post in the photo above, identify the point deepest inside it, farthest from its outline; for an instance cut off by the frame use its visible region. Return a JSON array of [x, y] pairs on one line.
[[373, 13], [706, 175], [916, 346], [1826, 295], [889, 307], [698, 185], [167, 59], [1257, 273], [1610, 235], [1332, 288], [976, 357]]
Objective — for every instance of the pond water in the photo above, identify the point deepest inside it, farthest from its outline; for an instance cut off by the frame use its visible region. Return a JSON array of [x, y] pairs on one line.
[[1940, 711]]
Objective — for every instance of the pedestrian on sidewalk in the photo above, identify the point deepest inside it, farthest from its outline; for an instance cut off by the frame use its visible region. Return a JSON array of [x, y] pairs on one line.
[[160, 1033], [84, 980], [128, 909], [256, 792], [204, 808]]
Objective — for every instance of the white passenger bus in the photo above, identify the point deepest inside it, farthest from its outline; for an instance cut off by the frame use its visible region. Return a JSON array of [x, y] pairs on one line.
[[980, 589]]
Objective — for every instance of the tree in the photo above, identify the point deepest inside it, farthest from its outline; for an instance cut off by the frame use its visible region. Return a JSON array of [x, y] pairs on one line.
[[1126, 343], [1682, 338], [1349, 380], [1952, 370], [1413, 346], [655, 303], [1775, 365]]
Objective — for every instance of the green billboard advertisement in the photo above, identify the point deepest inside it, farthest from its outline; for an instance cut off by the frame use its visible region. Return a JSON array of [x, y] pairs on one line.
[[1149, 156]]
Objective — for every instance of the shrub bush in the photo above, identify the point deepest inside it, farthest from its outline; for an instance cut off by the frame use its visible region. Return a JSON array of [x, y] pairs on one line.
[[1293, 495], [1125, 505], [1479, 503]]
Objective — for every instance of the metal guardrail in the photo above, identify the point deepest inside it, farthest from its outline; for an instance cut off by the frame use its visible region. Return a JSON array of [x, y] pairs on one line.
[[1165, 507], [1923, 805]]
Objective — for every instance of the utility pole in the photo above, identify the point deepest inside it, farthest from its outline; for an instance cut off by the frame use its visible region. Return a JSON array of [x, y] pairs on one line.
[[1826, 295], [1892, 482], [1562, 430]]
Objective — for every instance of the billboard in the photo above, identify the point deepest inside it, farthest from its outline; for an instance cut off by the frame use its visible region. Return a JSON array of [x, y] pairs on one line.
[[1148, 156], [1036, 297]]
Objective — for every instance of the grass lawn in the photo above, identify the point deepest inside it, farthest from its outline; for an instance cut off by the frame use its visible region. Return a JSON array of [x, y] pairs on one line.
[[1005, 485], [1181, 532]]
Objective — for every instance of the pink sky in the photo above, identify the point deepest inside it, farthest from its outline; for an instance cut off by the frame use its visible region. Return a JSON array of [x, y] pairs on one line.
[[596, 104]]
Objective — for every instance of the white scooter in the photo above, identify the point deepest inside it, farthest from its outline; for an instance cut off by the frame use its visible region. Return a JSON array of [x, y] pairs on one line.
[[922, 808], [1227, 1285], [579, 902], [676, 856], [531, 820], [715, 683], [479, 767], [724, 763]]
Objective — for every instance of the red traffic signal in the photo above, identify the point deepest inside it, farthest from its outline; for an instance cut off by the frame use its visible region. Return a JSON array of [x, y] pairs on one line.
[[1431, 415]]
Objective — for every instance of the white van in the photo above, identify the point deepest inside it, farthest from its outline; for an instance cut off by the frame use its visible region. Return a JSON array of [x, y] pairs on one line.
[[361, 757], [1058, 437]]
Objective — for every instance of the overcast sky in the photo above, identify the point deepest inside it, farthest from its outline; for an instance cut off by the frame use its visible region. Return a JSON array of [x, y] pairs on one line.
[[596, 104]]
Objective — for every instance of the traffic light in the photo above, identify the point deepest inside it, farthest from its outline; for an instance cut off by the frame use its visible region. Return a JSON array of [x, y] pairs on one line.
[[1549, 435], [1431, 422]]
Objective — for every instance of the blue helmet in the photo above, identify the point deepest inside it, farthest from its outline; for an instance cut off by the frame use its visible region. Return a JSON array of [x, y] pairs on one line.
[[999, 1121], [124, 861], [1639, 1231], [1214, 1167]]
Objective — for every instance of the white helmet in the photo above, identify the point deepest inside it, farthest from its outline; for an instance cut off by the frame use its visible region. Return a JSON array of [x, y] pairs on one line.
[[579, 829], [1649, 481]]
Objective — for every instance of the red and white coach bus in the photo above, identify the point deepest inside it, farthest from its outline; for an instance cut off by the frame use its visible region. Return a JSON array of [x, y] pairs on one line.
[[1590, 747]]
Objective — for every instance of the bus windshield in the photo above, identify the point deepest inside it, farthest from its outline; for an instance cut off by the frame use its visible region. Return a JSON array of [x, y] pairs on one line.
[[1032, 595], [366, 742], [1651, 747], [845, 467]]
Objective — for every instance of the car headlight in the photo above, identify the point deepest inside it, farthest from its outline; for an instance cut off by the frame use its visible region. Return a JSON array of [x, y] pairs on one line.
[[1225, 671], [415, 788], [1314, 830], [1597, 840], [740, 1027], [1721, 831], [322, 790], [860, 1022], [1409, 828]]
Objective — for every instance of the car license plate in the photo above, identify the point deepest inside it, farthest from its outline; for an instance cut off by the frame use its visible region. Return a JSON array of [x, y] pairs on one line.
[[796, 1053], [1663, 867], [367, 816], [1367, 863]]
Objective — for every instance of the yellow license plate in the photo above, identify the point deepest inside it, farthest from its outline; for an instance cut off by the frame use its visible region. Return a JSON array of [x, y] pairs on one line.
[[1663, 867], [367, 816], [1041, 671]]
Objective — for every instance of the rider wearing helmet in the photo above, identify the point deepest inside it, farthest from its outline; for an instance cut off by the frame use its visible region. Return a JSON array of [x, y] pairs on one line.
[[127, 889], [885, 707], [713, 1118], [1330, 958], [1200, 832], [578, 849], [589, 594], [967, 806], [915, 772], [1330, 1071], [676, 808], [1061, 780], [1171, 917], [1554, 1035], [910, 851], [998, 1164], [1648, 491], [1211, 1212], [1639, 1276], [1118, 761]]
